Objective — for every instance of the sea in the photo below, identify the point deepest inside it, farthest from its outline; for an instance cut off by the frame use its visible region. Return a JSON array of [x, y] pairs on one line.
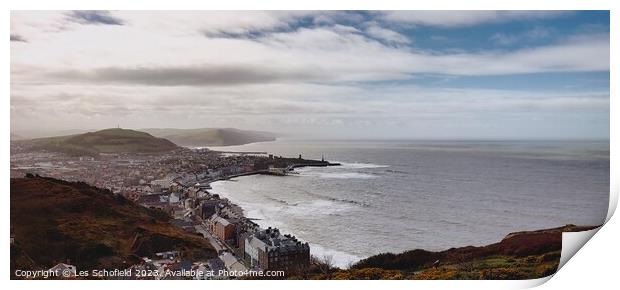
[[399, 195]]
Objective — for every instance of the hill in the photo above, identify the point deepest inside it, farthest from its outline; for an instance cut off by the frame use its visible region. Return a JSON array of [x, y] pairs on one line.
[[211, 136], [521, 255], [54, 220], [46, 133], [104, 141]]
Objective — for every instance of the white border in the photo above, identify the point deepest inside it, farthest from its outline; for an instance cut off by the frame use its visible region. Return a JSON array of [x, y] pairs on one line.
[[596, 264]]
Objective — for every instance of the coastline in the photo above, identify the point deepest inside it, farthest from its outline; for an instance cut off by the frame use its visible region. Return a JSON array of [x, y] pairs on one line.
[[353, 266], [519, 255], [271, 213], [349, 264], [341, 259]]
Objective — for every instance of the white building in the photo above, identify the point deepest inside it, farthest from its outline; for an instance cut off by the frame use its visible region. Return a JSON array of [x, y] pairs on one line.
[[231, 263], [174, 198]]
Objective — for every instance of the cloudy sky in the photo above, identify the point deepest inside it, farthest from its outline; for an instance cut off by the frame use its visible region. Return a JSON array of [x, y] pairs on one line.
[[400, 74]]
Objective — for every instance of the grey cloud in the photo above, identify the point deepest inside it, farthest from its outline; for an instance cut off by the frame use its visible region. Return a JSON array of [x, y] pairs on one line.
[[187, 76], [99, 17], [256, 24], [17, 38], [249, 34]]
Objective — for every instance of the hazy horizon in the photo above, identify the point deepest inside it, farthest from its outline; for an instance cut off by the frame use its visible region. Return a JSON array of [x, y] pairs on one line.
[[411, 75], [52, 133]]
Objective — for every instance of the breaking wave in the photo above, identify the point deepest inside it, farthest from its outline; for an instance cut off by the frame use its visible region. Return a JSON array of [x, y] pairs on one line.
[[337, 258], [356, 165], [338, 175], [343, 200]]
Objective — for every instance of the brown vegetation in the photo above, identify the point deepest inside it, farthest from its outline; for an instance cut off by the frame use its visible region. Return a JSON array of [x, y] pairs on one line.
[[53, 221], [522, 255]]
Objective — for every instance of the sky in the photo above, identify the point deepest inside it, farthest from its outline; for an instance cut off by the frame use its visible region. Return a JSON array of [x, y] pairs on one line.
[[317, 74]]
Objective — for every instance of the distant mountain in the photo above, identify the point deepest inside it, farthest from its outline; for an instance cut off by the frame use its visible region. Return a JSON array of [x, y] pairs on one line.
[[211, 136], [53, 221], [104, 141]]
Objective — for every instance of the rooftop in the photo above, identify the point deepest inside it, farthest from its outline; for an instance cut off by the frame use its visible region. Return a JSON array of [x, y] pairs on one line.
[[273, 240]]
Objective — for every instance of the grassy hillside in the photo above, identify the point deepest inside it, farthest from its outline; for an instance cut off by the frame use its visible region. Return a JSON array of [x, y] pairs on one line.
[[54, 220], [104, 141], [211, 136], [522, 255]]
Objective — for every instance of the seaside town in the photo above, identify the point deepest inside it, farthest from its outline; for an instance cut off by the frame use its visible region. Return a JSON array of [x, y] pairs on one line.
[[201, 144], [177, 182]]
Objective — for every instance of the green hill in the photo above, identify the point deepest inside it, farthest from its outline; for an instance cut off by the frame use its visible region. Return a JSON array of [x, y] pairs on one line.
[[211, 136], [104, 141], [54, 220]]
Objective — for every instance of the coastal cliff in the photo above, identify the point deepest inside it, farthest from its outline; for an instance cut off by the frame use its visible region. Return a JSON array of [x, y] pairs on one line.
[[211, 136], [520, 255]]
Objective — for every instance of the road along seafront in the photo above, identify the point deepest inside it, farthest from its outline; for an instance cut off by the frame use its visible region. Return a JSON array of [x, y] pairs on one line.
[[230, 231]]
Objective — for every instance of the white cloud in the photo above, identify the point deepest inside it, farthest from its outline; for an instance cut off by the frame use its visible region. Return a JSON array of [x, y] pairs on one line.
[[338, 52], [460, 18], [159, 69], [588, 54], [388, 35]]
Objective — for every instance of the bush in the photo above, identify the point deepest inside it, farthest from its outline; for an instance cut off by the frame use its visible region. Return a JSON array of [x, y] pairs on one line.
[[437, 274], [502, 274], [555, 256], [544, 271]]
